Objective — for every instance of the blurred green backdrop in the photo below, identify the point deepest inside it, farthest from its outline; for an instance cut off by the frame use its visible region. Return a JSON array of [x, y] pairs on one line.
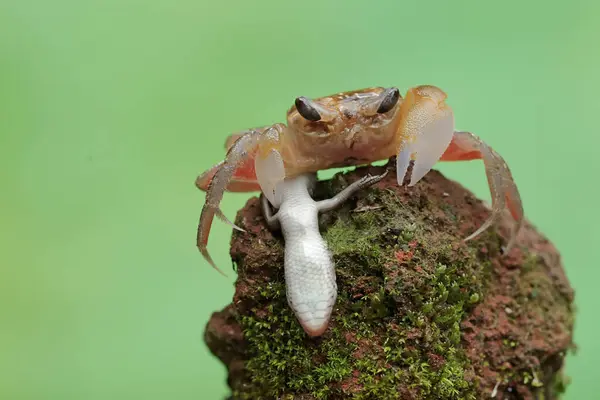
[[109, 109]]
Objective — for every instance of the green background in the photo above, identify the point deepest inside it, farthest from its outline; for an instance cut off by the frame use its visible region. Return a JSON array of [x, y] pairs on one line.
[[109, 109]]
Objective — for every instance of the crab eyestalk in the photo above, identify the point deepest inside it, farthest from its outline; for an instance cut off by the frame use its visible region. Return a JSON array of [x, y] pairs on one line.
[[381, 104], [313, 111]]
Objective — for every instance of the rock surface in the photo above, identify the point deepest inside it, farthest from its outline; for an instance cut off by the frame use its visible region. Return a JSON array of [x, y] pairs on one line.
[[419, 315]]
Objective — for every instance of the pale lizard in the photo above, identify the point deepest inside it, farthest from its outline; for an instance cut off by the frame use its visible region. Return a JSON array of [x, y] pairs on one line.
[[310, 278]]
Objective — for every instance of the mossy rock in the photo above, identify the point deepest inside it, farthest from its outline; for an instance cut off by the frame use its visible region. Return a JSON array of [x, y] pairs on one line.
[[420, 314]]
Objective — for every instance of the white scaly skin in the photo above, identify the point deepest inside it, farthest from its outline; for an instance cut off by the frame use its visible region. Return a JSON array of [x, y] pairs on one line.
[[311, 288]]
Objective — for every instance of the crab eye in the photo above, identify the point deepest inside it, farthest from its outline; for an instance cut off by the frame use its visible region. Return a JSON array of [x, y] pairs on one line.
[[390, 98], [307, 110]]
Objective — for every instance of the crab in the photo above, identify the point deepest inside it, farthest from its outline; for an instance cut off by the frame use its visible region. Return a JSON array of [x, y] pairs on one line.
[[354, 128]]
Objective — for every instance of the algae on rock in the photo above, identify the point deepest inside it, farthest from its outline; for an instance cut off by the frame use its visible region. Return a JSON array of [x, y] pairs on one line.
[[420, 314]]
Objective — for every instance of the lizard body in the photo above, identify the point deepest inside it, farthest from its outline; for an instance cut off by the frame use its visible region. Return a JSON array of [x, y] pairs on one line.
[[310, 278]]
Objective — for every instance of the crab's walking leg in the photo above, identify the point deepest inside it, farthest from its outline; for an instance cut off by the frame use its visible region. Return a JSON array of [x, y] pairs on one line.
[[344, 195], [243, 179], [249, 143], [504, 192]]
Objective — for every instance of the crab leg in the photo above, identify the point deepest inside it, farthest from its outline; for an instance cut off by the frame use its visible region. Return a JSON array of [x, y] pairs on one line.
[[243, 179], [262, 144], [467, 146], [231, 139]]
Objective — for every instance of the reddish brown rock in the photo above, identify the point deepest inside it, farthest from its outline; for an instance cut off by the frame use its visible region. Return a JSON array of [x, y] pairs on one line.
[[420, 314]]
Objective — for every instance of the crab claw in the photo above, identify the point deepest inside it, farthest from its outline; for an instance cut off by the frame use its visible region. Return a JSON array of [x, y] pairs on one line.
[[238, 153], [426, 131], [270, 173], [270, 169]]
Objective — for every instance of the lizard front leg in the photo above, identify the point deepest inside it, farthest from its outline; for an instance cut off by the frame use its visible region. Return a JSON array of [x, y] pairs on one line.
[[344, 195], [270, 218]]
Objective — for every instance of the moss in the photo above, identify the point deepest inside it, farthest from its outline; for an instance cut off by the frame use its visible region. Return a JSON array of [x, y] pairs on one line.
[[353, 248], [401, 331], [419, 313]]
